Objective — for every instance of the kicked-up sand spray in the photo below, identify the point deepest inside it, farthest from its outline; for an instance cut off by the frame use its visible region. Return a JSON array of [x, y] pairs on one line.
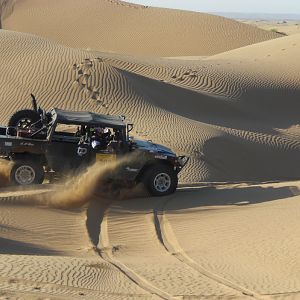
[[94, 184], [5, 168]]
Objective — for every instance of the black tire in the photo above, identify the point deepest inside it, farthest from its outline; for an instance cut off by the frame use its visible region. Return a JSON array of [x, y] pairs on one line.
[[168, 177], [26, 172], [24, 118]]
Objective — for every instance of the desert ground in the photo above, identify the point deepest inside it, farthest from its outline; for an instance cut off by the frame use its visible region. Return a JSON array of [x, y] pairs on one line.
[[223, 92], [286, 27]]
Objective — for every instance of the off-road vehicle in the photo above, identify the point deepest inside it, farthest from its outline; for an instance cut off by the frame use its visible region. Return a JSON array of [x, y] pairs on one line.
[[60, 141]]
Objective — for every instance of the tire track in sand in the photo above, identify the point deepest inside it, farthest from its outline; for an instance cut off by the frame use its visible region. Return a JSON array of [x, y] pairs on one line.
[[127, 230], [96, 217], [168, 239]]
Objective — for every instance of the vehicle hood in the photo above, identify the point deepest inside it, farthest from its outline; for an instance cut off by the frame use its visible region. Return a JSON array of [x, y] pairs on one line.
[[152, 147]]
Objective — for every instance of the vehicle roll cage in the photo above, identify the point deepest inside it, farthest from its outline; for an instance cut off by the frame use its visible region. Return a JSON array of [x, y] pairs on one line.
[[49, 120]]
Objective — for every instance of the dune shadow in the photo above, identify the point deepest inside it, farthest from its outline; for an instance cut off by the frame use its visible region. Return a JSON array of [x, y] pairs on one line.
[[14, 247], [235, 159], [274, 105]]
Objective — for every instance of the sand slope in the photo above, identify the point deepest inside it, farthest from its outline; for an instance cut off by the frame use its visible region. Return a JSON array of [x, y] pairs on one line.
[[231, 103], [210, 242], [235, 114], [121, 27], [47, 252], [238, 241]]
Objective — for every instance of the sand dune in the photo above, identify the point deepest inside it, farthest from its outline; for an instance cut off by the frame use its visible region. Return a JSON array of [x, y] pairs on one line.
[[224, 93], [225, 241], [48, 252], [287, 27], [221, 105], [205, 233], [117, 26]]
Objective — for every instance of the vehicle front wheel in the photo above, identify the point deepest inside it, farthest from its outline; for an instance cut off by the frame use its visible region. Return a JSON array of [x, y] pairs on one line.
[[26, 173], [160, 180]]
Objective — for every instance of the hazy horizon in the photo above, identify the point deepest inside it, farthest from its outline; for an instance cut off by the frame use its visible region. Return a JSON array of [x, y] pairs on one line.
[[264, 7]]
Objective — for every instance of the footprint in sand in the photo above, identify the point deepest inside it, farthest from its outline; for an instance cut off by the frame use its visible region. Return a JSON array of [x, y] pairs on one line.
[[99, 59], [85, 80], [96, 91], [87, 63], [87, 73], [75, 83], [94, 96], [87, 90], [78, 80]]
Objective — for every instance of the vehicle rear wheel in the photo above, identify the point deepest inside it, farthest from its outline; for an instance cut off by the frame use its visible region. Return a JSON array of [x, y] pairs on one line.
[[24, 118], [27, 173], [160, 180]]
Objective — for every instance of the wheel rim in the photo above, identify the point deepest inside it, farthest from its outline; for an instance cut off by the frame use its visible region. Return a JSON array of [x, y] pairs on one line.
[[25, 175], [162, 182], [24, 123]]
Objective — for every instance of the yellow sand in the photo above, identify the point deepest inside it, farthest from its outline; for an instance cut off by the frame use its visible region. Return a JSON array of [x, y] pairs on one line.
[[222, 92]]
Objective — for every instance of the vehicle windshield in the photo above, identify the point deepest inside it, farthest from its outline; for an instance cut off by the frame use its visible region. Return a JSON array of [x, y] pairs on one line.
[[97, 137]]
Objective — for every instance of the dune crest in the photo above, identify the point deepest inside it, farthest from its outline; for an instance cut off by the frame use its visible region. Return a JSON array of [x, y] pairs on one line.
[[111, 26], [6, 8]]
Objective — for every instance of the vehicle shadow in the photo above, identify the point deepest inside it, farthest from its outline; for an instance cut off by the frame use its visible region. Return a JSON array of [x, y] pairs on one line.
[[205, 198], [231, 196], [94, 217]]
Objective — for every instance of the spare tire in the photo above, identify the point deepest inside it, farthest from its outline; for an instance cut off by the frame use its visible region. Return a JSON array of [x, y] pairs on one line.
[[24, 118]]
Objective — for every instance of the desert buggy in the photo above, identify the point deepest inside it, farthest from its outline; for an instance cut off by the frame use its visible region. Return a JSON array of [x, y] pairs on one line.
[[61, 141]]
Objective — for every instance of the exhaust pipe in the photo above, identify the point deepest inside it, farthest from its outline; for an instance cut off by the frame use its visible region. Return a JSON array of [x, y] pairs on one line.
[[34, 104]]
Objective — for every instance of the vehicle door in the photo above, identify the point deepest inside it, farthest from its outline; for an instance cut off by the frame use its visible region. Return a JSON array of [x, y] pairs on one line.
[[65, 153]]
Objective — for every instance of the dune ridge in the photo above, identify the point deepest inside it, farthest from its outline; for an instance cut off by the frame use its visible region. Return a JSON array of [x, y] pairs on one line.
[[111, 27]]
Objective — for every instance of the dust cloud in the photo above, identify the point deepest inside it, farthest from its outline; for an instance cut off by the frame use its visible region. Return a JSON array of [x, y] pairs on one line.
[[5, 167], [95, 184]]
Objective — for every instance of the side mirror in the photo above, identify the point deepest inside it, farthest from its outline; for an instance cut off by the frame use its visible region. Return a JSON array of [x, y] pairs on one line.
[[129, 127]]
